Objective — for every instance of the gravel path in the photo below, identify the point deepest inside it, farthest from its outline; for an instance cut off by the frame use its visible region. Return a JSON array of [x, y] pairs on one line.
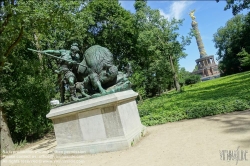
[[197, 142]]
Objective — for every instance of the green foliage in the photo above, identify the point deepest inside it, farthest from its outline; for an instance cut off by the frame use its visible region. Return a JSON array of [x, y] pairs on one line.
[[187, 78], [236, 5], [158, 50], [229, 41], [27, 85], [26, 18], [192, 79], [113, 28], [21, 144], [245, 60], [195, 68], [221, 95], [26, 89]]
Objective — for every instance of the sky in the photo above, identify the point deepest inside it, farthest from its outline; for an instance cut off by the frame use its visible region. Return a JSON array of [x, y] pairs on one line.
[[210, 16]]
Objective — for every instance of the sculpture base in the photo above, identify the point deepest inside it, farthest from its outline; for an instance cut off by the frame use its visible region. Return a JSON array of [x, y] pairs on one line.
[[103, 124], [210, 77]]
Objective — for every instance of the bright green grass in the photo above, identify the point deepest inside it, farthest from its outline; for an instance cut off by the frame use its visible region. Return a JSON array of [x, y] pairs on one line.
[[221, 95]]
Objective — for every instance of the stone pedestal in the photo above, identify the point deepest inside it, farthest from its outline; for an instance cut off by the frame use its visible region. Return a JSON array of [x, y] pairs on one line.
[[207, 68], [103, 124]]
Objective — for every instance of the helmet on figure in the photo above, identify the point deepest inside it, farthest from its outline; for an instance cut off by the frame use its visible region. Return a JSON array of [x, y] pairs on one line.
[[74, 47]]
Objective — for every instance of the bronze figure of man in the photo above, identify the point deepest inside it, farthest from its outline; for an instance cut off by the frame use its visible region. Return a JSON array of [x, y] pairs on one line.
[[65, 69]]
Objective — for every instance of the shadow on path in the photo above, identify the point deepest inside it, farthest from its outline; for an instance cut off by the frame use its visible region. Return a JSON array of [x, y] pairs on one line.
[[238, 124], [50, 139]]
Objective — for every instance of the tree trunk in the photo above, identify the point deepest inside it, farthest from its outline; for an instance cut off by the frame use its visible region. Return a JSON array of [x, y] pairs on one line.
[[6, 143], [12, 46], [38, 47], [176, 82]]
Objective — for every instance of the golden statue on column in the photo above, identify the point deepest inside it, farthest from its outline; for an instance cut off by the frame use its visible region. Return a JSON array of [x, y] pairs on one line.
[[206, 65]]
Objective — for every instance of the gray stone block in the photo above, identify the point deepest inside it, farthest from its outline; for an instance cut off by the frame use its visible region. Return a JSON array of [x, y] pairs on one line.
[[103, 124]]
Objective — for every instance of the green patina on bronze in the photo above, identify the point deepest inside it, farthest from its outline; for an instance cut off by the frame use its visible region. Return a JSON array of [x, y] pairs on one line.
[[197, 35], [94, 76]]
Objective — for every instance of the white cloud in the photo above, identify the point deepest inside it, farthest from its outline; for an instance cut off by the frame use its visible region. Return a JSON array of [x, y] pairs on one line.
[[164, 14], [176, 9]]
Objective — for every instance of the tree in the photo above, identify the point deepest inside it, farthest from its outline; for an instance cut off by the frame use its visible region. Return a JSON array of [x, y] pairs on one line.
[[26, 93], [26, 18], [245, 60], [112, 28], [151, 69], [172, 48], [187, 78], [245, 51], [236, 5], [195, 68], [183, 75], [30, 20], [229, 40], [158, 46]]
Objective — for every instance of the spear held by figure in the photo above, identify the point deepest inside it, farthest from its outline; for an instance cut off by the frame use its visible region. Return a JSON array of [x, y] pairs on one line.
[[56, 57]]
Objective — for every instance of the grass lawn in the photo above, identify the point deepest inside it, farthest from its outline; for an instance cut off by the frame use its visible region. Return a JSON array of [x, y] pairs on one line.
[[221, 95]]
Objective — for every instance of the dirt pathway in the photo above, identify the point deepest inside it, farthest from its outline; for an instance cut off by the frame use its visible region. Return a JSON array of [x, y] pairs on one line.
[[197, 142]]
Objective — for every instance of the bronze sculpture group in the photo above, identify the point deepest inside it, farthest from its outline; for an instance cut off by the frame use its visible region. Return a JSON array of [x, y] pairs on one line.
[[90, 75]]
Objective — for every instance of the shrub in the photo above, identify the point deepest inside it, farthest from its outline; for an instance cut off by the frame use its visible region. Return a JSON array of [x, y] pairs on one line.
[[192, 79]]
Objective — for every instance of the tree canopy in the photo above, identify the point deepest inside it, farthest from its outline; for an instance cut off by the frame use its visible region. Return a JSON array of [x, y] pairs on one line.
[[29, 18], [236, 5], [231, 40], [159, 50]]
